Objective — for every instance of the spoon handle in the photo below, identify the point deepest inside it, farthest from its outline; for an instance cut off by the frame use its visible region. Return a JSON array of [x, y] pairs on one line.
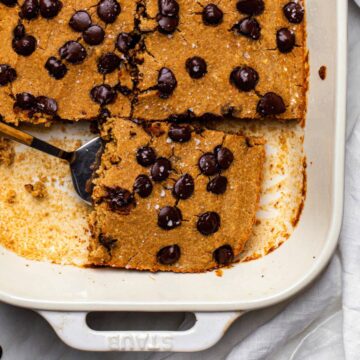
[[29, 140]]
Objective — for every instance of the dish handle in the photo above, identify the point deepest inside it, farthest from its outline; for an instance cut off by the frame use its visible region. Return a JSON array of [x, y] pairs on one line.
[[73, 330]]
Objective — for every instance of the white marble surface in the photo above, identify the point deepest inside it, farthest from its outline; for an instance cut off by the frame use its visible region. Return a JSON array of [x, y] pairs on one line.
[[24, 335]]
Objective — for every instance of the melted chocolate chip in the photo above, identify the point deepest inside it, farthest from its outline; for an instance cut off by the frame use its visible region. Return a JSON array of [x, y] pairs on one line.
[[167, 24], [224, 157], [161, 169], [146, 156], [271, 104], [29, 9], [184, 187], [212, 15], [24, 46], [25, 101], [208, 164], [166, 83], [7, 74], [285, 40], [294, 12], [107, 242], [248, 27], [224, 255], [19, 31], [169, 217], [119, 199], [9, 3], [94, 35], [250, 7], [126, 41], [179, 133], [143, 186], [103, 94], [208, 223], [217, 185], [108, 10], [80, 21], [196, 67], [169, 255], [168, 7], [50, 8], [107, 63], [73, 52], [55, 68], [46, 105], [245, 78]]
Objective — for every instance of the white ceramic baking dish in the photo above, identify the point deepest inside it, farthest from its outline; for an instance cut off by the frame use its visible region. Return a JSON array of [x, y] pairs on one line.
[[64, 295]]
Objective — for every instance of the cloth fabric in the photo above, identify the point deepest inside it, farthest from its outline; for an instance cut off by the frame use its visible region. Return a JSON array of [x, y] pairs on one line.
[[323, 323]]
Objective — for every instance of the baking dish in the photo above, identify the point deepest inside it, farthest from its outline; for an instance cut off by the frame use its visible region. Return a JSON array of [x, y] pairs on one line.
[[64, 295]]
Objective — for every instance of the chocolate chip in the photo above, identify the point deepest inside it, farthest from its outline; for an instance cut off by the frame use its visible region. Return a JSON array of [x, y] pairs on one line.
[[294, 12], [208, 164], [9, 3], [25, 101], [179, 133], [169, 217], [80, 21], [24, 46], [94, 35], [224, 255], [103, 94], [224, 157], [108, 10], [160, 170], [55, 68], [196, 67], [143, 186], [250, 7], [107, 63], [46, 105], [168, 7], [271, 104], [126, 41], [166, 83], [146, 156], [212, 15], [19, 31], [73, 52], [208, 223], [50, 8], [184, 187], [107, 242], [248, 27], [119, 198], [245, 78], [169, 255], [285, 40], [29, 9], [7, 74], [217, 185], [167, 24]]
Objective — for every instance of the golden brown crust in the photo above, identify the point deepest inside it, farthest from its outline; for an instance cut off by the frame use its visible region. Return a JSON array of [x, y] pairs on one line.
[[223, 50], [135, 236]]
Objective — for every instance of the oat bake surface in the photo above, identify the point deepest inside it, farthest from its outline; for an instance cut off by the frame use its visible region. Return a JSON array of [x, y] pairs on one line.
[[151, 59], [182, 220]]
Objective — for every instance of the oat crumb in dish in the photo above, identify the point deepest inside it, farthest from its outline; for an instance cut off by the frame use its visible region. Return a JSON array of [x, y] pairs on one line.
[[7, 152], [37, 190], [322, 72]]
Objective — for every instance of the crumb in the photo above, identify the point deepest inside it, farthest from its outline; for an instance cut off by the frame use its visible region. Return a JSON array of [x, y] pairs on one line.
[[322, 72], [37, 190], [7, 152], [11, 197], [219, 272]]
